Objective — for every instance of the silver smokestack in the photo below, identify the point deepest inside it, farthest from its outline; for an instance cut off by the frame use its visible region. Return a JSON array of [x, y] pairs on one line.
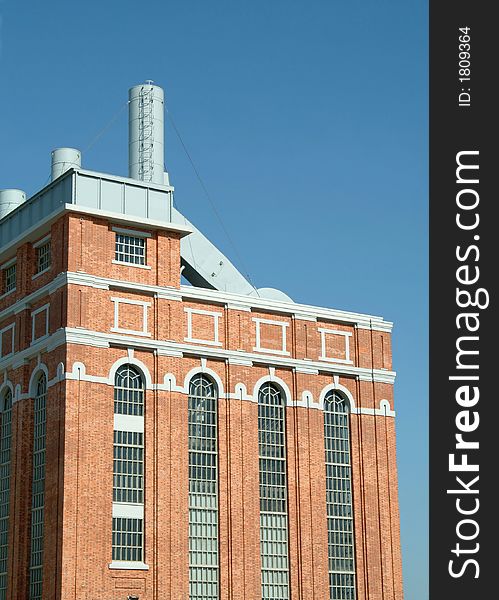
[[146, 133]]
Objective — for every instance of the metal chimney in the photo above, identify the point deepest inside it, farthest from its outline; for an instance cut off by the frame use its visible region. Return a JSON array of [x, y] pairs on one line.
[[64, 159], [146, 133], [9, 200]]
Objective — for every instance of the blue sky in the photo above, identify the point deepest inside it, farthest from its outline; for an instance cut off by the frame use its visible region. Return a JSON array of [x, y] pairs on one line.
[[308, 123]]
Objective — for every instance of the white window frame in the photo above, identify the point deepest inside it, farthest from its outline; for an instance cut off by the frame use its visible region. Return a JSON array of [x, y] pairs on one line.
[[145, 305], [132, 233], [258, 347], [4, 267], [210, 313], [346, 335], [46, 308], [45, 240], [2, 331]]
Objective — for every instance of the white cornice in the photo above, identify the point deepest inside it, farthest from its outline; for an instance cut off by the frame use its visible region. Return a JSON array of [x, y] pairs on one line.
[[169, 348], [78, 372], [27, 301], [297, 311], [98, 339], [128, 219], [304, 400], [43, 225], [45, 344]]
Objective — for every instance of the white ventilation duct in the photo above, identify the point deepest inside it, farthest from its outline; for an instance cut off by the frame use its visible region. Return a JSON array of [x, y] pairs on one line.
[[64, 159], [9, 200], [146, 154]]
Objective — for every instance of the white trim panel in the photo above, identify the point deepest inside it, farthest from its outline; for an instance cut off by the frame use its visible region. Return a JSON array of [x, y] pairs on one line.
[[122, 510], [258, 347], [128, 423], [128, 566], [2, 331], [197, 311], [145, 305], [34, 313], [346, 335]]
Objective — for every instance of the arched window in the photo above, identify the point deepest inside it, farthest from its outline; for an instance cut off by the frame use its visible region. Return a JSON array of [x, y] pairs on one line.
[[128, 466], [128, 392], [273, 493], [203, 489], [38, 489], [340, 525], [5, 446]]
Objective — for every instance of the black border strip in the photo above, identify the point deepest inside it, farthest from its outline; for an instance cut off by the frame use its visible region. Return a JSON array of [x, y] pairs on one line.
[[463, 124]]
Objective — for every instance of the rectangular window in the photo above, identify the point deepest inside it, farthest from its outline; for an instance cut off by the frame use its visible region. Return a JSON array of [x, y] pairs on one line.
[[9, 279], [130, 249], [128, 469], [127, 539], [43, 257]]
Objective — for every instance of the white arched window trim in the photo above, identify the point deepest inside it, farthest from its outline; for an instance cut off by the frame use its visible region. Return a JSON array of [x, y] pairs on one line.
[[203, 370], [336, 387], [6, 385], [134, 362], [35, 375], [271, 378]]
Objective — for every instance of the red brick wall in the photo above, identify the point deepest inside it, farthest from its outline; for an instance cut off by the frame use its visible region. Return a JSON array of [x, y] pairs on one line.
[[79, 452], [92, 243]]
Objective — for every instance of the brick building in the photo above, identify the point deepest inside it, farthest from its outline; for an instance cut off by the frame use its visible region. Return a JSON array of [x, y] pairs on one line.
[[165, 441]]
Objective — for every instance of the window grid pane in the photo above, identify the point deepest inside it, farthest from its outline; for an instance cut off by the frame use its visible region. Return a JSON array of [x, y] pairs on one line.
[[273, 494], [130, 249], [341, 553], [128, 467], [127, 539], [38, 491], [5, 447], [44, 257], [128, 392], [9, 278], [203, 490]]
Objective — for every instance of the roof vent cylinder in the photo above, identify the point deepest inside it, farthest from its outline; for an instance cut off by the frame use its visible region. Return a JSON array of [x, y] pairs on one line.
[[9, 200], [64, 159]]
